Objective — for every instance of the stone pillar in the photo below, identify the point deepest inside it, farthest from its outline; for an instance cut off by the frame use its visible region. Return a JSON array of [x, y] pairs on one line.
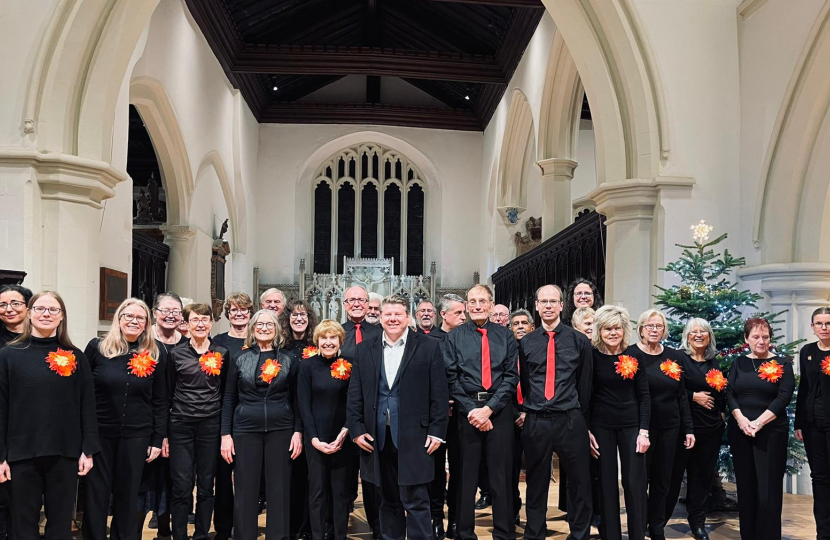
[[71, 191], [179, 278], [556, 194]]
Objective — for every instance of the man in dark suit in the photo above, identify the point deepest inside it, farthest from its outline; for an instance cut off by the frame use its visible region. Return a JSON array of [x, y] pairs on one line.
[[397, 415]]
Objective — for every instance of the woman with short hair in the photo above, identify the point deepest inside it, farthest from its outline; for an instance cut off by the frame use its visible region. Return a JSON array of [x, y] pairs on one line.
[[130, 394], [583, 321], [619, 419], [261, 423], [48, 428], [761, 385]]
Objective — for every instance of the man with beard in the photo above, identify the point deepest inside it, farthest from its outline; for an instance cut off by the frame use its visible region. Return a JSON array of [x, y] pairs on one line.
[[425, 317], [373, 310]]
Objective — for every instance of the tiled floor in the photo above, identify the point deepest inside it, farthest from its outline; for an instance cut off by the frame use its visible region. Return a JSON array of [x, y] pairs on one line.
[[798, 523]]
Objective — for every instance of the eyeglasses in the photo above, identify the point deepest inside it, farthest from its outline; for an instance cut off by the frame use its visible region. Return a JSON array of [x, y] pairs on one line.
[[299, 315], [129, 317], [165, 312], [698, 333], [548, 302], [653, 326], [581, 294], [40, 310], [16, 305], [816, 324], [204, 321], [239, 311], [267, 325], [355, 301]]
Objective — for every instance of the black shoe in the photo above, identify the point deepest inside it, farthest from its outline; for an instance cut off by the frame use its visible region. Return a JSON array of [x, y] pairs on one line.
[[700, 533], [376, 535], [518, 520], [154, 522], [191, 519], [596, 521], [452, 528], [437, 529], [483, 502]]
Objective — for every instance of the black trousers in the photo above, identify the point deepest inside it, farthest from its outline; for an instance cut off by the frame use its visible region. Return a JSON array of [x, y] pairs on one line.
[[760, 463], [624, 441], [495, 447], [193, 442], [50, 482], [437, 487], [454, 464], [328, 490], [518, 451], [251, 448], [223, 507], [817, 444], [5, 512], [567, 434], [404, 510], [116, 472], [659, 464], [371, 497], [700, 465], [299, 522]]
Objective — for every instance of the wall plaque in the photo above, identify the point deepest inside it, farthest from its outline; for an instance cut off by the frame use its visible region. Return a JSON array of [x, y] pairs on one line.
[[113, 292]]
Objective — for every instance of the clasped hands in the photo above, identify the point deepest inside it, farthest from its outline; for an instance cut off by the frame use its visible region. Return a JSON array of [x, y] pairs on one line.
[[747, 426], [332, 447], [480, 418]]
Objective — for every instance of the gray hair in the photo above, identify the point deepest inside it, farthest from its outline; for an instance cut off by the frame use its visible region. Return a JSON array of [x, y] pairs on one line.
[[375, 297], [446, 301], [395, 300], [519, 313], [711, 349], [250, 336], [607, 316], [646, 315], [270, 291], [581, 314]]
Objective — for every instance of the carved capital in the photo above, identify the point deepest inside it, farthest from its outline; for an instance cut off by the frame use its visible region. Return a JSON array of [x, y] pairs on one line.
[[633, 199], [793, 281], [558, 167], [177, 233]]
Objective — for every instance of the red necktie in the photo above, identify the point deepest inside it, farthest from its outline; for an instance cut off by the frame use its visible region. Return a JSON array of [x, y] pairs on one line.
[[358, 335], [519, 397], [486, 377], [550, 371]]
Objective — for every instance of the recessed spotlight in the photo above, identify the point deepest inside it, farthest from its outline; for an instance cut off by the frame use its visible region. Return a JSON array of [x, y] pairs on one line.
[[276, 88], [467, 98]]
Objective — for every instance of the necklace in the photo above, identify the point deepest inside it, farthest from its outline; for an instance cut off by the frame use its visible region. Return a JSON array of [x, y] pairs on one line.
[[753, 362]]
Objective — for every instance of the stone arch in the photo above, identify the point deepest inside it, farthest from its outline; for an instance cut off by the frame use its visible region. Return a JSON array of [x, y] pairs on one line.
[[618, 72], [212, 159], [793, 205], [561, 104], [78, 70], [149, 97], [518, 134]]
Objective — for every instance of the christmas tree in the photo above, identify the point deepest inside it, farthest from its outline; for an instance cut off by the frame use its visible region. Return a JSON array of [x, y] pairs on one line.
[[707, 291]]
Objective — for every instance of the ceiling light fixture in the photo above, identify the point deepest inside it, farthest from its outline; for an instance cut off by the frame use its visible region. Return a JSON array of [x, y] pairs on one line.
[[276, 88], [467, 98]]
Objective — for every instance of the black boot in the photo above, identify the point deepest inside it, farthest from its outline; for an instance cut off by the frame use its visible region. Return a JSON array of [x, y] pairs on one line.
[[700, 533], [483, 502], [438, 529]]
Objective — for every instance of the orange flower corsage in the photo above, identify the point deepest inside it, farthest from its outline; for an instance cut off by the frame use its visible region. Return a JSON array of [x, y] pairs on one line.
[[825, 365], [715, 379], [626, 366], [771, 371], [62, 362], [211, 363], [309, 351], [671, 369], [142, 364], [341, 369], [270, 369]]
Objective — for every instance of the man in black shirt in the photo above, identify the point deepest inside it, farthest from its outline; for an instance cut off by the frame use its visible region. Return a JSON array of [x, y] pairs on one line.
[[358, 329], [480, 358], [397, 415], [555, 365], [521, 322], [425, 317]]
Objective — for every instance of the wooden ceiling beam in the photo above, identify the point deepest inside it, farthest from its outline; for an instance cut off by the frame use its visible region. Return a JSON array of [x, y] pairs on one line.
[[368, 61], [534, 4]]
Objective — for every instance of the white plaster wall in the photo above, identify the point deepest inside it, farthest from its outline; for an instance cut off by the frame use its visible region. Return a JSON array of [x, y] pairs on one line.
[[283, 207], [585, 175]]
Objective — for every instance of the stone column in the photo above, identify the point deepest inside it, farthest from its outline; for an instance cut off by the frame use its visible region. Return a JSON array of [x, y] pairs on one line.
[[179, 276], [71, 191], [556, 194]]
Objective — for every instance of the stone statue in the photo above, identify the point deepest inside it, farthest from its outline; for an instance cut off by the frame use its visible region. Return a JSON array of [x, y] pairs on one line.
[[531, 238], [334, 309], [143, 206], [219, 241], [316, 307]]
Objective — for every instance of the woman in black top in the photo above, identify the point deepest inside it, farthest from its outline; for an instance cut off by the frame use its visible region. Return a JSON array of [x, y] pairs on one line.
[[47, 420], [706, 394], [13, 312], [670, 417], [297, 324], [619, 420], [812, 416], [323, 387], [131, 400], [581, 293], [760, 387], [260, 420]]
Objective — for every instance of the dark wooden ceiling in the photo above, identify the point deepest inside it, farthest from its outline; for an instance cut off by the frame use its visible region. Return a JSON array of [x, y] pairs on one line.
[[460, 52]]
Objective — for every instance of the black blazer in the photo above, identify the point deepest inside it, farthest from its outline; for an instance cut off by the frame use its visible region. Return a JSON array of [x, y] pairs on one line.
[[423, 405]]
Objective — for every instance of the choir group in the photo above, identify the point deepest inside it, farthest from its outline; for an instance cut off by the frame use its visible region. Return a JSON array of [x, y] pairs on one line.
[[286, 412]]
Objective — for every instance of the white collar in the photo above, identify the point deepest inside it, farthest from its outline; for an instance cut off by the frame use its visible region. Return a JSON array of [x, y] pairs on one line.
[[387, 342]]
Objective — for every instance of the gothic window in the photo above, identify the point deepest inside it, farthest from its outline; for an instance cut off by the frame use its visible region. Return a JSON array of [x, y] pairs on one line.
[[370, 202]]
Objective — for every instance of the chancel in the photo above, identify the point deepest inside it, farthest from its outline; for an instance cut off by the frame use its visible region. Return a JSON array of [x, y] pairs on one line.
[[576, 162]]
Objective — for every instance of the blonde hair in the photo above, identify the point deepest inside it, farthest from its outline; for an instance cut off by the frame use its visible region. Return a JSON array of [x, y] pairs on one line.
[[643, 320], [250, 338], [115, 344], [608, 316], [580, 315], [326, 327]]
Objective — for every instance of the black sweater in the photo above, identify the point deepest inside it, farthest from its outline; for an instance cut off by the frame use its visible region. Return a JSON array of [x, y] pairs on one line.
[[233, 344], [253, 406], [41, 412], [322, 399], [753, 395], [669, 402], [129, 406], [192, 394], [694, 373], [617, 402], [813, 402], [6, 335]]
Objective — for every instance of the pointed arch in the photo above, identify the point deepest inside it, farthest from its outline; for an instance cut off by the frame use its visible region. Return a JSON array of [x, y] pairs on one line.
[[561, 104], [212, 159], [518, 134]]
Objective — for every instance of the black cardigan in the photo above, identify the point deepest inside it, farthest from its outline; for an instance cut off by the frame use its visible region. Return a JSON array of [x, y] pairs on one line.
[[129, 406], [42, 413], [813, 388]]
